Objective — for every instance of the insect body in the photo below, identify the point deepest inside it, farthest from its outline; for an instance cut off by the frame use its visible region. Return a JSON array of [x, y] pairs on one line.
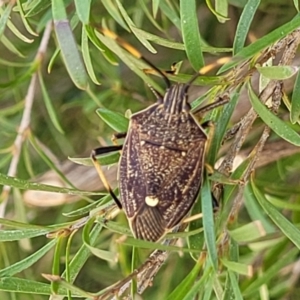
[[161, 165], [160, 169]]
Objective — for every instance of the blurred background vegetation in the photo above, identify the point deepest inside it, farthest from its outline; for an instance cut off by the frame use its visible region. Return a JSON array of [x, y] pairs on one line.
[[57, 69]]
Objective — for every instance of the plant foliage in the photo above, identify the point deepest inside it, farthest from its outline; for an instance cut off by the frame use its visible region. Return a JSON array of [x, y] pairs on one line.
[[60, 234]]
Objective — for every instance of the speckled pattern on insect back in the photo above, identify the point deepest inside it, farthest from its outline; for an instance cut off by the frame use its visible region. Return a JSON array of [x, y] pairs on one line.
[[161, 165]]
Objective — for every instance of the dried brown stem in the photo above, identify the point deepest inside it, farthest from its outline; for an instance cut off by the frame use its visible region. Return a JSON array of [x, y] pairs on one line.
[[144, 274], [290, 43], [25, 121], [274, 89]]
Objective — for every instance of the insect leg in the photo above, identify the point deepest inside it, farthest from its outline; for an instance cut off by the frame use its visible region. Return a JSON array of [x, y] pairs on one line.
[[108, 149], [117, 136], [207, 124], [97, 165]]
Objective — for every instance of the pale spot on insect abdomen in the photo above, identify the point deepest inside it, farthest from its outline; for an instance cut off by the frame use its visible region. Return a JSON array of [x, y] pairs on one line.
[[151, 201]]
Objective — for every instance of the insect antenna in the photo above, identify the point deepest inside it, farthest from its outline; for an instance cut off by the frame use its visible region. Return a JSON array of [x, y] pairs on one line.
[[101, 174], [135, 53], [203, 71], [221, 100]]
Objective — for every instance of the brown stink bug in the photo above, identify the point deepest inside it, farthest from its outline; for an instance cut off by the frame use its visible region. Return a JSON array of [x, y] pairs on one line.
[[162, 161]]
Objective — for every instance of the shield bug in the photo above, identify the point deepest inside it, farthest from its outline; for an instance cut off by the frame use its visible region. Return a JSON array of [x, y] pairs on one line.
[[162, 161]]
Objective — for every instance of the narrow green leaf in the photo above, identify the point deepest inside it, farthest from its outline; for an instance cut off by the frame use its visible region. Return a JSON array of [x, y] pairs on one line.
[[150, 245], [159, 40], [68, 259], [277, 266], [68, 46], [113, 226], [21, 78], [5, 16], [115, 13], [175, 45], [208, 222], [132, 26], [146, 11], [13, 109], [229, 288], [80, 259], [244, 25], [19, 285], [86, 55], [202, 80], [28, 261], [71, 288], [16, 224], [277, 125], [264, 81], [217, 288], [37, 146], [49, 106], [12, 284], [185, 285], [216, 13], [287, 228], [222, 10], [104, 160], [196, 241], [190, 33], [264, 244], [16, 235], [222, 121], [103, 254], [52, 60], [105, 51], [132, 62], [200, 285], [116, 121], [24, 19], [255, 212], [83, 253], [82, 211], [296, 3], [295, 108], [35, 7], [248, 232], [134, 263], [58, 10], [283, 204], [6, 62], [10, 46], [170, 12], [56, 263], [83, 8], [239, 268], [18, 33], [278, 72], [235, 286], [155, 5], [70, 54], [27, 185], [262, 43]]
